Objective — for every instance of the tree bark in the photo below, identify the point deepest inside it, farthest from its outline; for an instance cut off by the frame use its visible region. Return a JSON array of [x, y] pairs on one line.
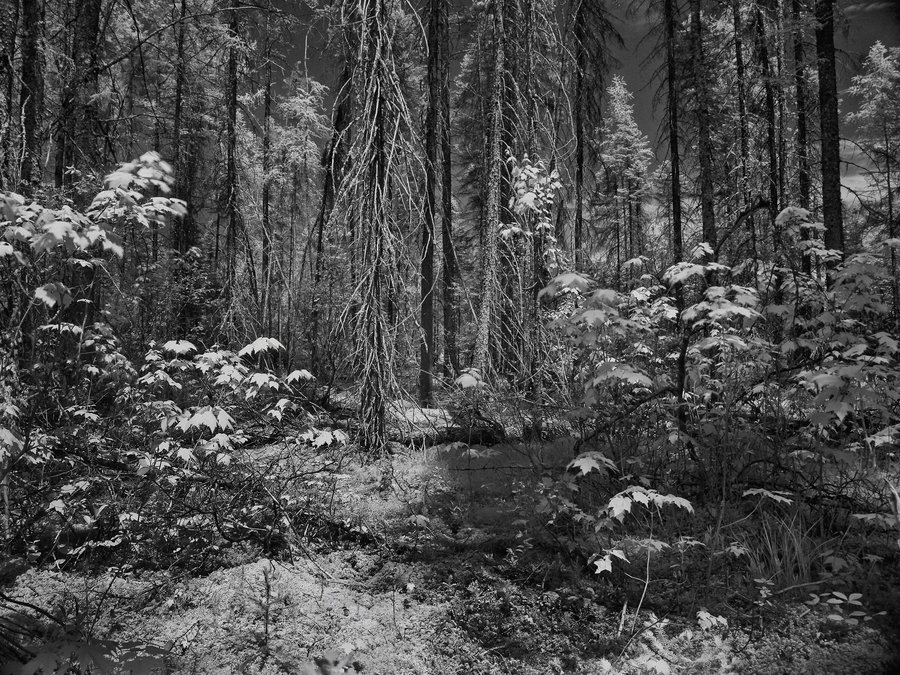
[[9, 16], [771, 137], [181, 239], [829, 128], [580, 103], [669, 19], [374, 227], [78, 128], [426, 316], [267, 234], [32, 92], [742, 117], [231, 186], [333, 161], [895, 278], [704, 141], [450, 263], [802, 97], [489, 260]]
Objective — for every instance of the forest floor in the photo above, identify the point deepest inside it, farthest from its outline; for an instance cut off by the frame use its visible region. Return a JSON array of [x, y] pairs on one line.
[[432, 563]]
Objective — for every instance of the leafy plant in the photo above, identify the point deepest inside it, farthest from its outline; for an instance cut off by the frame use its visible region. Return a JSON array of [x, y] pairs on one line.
[[847, 610]]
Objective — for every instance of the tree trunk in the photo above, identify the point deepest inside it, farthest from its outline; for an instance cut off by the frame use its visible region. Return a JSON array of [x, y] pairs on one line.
[[426, 350], [333, 164], [707, 199], [580, 104], [231, 180], [32, 92], [78, 128], [9, 16], [742, 117], [489, 258], [267, 234], [451, 265], [771, 138], [802, 110], [780, 96], [181, 239], [895, 279], [828, 123], [374, 227], [672, 112], [802, 97]]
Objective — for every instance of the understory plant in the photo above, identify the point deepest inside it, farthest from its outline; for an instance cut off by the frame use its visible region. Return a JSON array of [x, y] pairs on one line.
[[776, 377]]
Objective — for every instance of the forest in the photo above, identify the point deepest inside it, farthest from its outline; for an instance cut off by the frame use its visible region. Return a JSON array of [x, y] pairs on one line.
[[448, 336]]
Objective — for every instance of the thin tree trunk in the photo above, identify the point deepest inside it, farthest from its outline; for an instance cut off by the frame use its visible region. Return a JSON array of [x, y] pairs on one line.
[[9, 15], [426, 351], [512, 125], [32, 92], [780, 97], [742, 116], [895, 279], [267, 234], [802, 97], [450, 263], [672, 110], [333, 165], [771, 139], [231, 186], [829, 128], [181, 239], [580, 102], [707, 203]]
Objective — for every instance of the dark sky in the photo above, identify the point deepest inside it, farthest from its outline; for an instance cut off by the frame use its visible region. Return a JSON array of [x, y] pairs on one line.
[[863, 22]]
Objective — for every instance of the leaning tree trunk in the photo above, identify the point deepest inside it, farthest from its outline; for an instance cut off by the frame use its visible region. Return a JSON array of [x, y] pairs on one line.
[[333, 161]]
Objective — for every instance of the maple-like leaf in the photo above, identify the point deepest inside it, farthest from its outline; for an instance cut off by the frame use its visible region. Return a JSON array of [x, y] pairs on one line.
[[591, 461], [619, 505], [302, 374], [569, 280], [603, 564], [179, 347], [53, 294], [261, 344], [225, 420]]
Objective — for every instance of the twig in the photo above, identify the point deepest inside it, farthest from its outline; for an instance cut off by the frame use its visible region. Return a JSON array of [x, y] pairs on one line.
[[39, 610]]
